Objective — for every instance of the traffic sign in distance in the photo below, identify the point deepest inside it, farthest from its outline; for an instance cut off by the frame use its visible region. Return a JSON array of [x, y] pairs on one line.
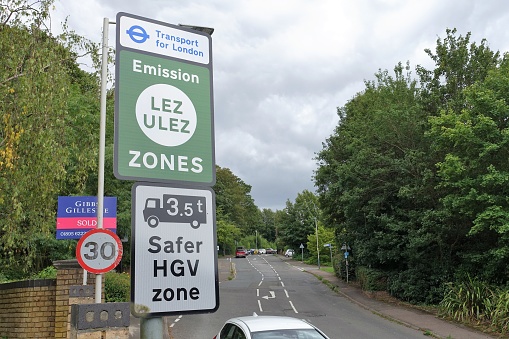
[[99, 251]]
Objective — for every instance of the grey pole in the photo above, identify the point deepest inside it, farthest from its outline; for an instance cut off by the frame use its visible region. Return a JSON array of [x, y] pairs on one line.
[[317, 248], [102, 142], [347, 271], [151, 328]]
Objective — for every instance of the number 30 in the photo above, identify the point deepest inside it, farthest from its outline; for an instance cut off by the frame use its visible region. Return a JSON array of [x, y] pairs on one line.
[[93, 250]]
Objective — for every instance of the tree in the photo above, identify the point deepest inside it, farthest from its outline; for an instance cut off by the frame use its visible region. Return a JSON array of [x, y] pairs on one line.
[[298, 220], [268, 225], [325, 236], [227, 233], [234, 200], [370, 171], [474, 173], [458, 64], [408, 176], [40, 154]]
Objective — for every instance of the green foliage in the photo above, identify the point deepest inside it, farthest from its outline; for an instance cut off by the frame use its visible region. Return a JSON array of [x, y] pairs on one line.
[[49, 272], [117, 287], [227, 234], [41, 155], [325, 236], [500, 314], [423, 284], [371, 279], [469, 300], [251, 241], [297, 220], [340, 267], [234, 201], [267, 227], [415, 176]]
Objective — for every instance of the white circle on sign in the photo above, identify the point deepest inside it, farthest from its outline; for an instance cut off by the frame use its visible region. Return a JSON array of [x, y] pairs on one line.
[[99, 250], [166, 115]]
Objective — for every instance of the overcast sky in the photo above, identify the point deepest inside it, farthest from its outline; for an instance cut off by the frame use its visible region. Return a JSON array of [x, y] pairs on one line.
[[282, 67]]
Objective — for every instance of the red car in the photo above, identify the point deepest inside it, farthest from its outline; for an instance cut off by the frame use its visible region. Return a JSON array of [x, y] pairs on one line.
[[240, 252]]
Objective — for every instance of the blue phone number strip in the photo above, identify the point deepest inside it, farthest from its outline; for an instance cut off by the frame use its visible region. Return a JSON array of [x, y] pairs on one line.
[[75, 234]]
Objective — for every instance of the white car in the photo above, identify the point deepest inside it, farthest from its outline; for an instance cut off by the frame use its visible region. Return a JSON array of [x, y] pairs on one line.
[[268, 327], [262, 251], [289, 253]]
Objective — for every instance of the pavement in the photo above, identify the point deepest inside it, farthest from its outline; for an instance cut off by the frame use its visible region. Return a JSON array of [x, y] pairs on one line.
[[429, 324]]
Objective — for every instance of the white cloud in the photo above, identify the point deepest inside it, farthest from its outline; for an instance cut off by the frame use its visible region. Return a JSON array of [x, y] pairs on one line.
[[281, 70]]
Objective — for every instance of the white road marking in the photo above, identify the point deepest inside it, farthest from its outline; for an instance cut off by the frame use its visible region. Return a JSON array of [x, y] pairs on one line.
[[291, 304], [176, 320], [272, 295], [260, 305]]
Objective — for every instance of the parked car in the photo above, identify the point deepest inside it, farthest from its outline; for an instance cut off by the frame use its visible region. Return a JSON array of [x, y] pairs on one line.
[[240, 252], [270, 251], [262, 251], [260, 327], [289, 253]]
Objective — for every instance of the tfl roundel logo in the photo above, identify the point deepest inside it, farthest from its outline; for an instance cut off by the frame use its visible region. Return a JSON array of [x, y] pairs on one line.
[[138, 34]]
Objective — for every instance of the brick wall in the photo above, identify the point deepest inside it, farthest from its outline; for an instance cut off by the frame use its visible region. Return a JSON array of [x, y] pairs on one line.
[[27, 309], [41, 308]]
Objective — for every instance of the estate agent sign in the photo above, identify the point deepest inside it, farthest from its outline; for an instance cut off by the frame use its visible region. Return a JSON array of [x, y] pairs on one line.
[[164, 103], [78, 215]]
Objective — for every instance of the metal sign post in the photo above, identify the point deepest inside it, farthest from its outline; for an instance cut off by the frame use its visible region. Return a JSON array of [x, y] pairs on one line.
[[330, 248], [102, 142]]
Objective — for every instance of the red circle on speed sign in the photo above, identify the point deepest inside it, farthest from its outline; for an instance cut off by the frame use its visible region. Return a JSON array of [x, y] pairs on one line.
[[99, 251]]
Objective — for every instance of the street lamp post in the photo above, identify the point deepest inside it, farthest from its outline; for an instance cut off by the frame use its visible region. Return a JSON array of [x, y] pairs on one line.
[[317, 247]]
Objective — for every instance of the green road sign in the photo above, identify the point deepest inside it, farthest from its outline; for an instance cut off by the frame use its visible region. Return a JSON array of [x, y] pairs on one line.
[[164, 104]]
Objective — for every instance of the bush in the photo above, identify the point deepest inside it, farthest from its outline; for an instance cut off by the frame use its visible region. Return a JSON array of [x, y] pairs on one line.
[[340, 267], [418, 285], [470, 300], [474, 301], [371, 279], [49, 272], [117, 287], [500, 315]]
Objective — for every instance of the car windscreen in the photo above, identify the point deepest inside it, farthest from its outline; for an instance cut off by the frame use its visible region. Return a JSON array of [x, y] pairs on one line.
[[288, 334]]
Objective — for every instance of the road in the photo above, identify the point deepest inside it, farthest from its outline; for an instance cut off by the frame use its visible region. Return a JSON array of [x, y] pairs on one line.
[[268, 286]]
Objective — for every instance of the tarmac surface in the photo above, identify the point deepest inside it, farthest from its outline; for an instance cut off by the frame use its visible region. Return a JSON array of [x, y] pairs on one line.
[[429, 324], [411, 317]]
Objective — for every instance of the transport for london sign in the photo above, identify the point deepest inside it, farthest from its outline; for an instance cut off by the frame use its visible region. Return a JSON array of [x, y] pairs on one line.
[[164, 103]]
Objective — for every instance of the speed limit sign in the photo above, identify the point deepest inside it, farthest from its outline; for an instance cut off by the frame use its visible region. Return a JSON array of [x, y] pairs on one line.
[[99, 251]]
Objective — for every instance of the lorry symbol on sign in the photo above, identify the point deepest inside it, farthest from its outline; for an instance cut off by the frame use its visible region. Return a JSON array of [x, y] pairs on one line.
[[175, 209]]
